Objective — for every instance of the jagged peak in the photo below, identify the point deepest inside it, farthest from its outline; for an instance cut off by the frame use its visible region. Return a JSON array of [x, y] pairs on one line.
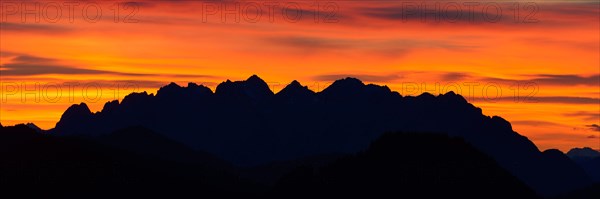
[[175, 89], [450, 93], [226, 85], [348, 84], [135, 96], [379, 88], [76, 111], [198, 88], [294, 85], [172, 84], [502, 122], [168, 88], [295, 88], [555, 154], [453, 96], [426, 95], [254, 87], [34, 127], [348, 81], [583, 152], [79, 108], [254, 78], [110, 105], [192, 85]]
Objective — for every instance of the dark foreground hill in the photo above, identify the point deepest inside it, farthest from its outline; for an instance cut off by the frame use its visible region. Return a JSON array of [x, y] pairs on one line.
[[403, 165], [34, 164], [395, 166], [588, 159], [246, 124], [590, 192]]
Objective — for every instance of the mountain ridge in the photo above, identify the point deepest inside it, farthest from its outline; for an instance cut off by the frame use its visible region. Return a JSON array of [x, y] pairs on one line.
[[245, 124]]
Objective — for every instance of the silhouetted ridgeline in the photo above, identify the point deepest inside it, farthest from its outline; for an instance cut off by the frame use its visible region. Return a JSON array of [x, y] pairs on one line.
[[403, 165], [245, 123], [136, 162], [41, 165], [588, 159]]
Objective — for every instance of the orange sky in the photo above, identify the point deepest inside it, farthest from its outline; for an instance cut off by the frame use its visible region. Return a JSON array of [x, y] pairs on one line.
[[552, 50]]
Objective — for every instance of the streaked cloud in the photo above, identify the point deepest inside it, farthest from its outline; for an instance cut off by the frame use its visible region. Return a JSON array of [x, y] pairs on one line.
[[455, 76], [26, 69], [545, 15], [586, 115], [378, 47], [28, 65], [45, 28], [363, 77], [552, 79], [535, 123], [593, 127], [545, 99], [413, 11], [32, 59], [561, 43]]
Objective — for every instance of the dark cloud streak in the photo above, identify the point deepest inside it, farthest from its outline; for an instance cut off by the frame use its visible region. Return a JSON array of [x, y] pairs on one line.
[[28, 65], [27, 69], [535, 123], [392, 47], [594, 127], [551, 79], [585, 115], [364, 77], [34, 28], [547, 99]]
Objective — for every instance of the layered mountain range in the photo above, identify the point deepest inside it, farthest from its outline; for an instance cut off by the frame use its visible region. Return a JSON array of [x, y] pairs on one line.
[[245, 123]]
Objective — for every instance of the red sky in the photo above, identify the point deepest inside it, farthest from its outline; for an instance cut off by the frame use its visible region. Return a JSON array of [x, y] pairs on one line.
[[537, 66]]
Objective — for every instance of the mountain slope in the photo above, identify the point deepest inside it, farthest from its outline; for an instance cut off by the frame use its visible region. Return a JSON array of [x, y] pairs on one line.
[[399, 165], [145, 142], [244, 123], [44, 165], [588, 159]]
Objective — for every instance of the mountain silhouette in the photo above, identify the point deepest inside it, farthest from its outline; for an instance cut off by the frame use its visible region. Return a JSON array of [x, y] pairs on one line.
[[592, 191], [585, 153], [254, 88], [35, 164], [34, 127], [588, 159], [137, 162], [144, 142], [245, 123], [295, 93], [400, 165]]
